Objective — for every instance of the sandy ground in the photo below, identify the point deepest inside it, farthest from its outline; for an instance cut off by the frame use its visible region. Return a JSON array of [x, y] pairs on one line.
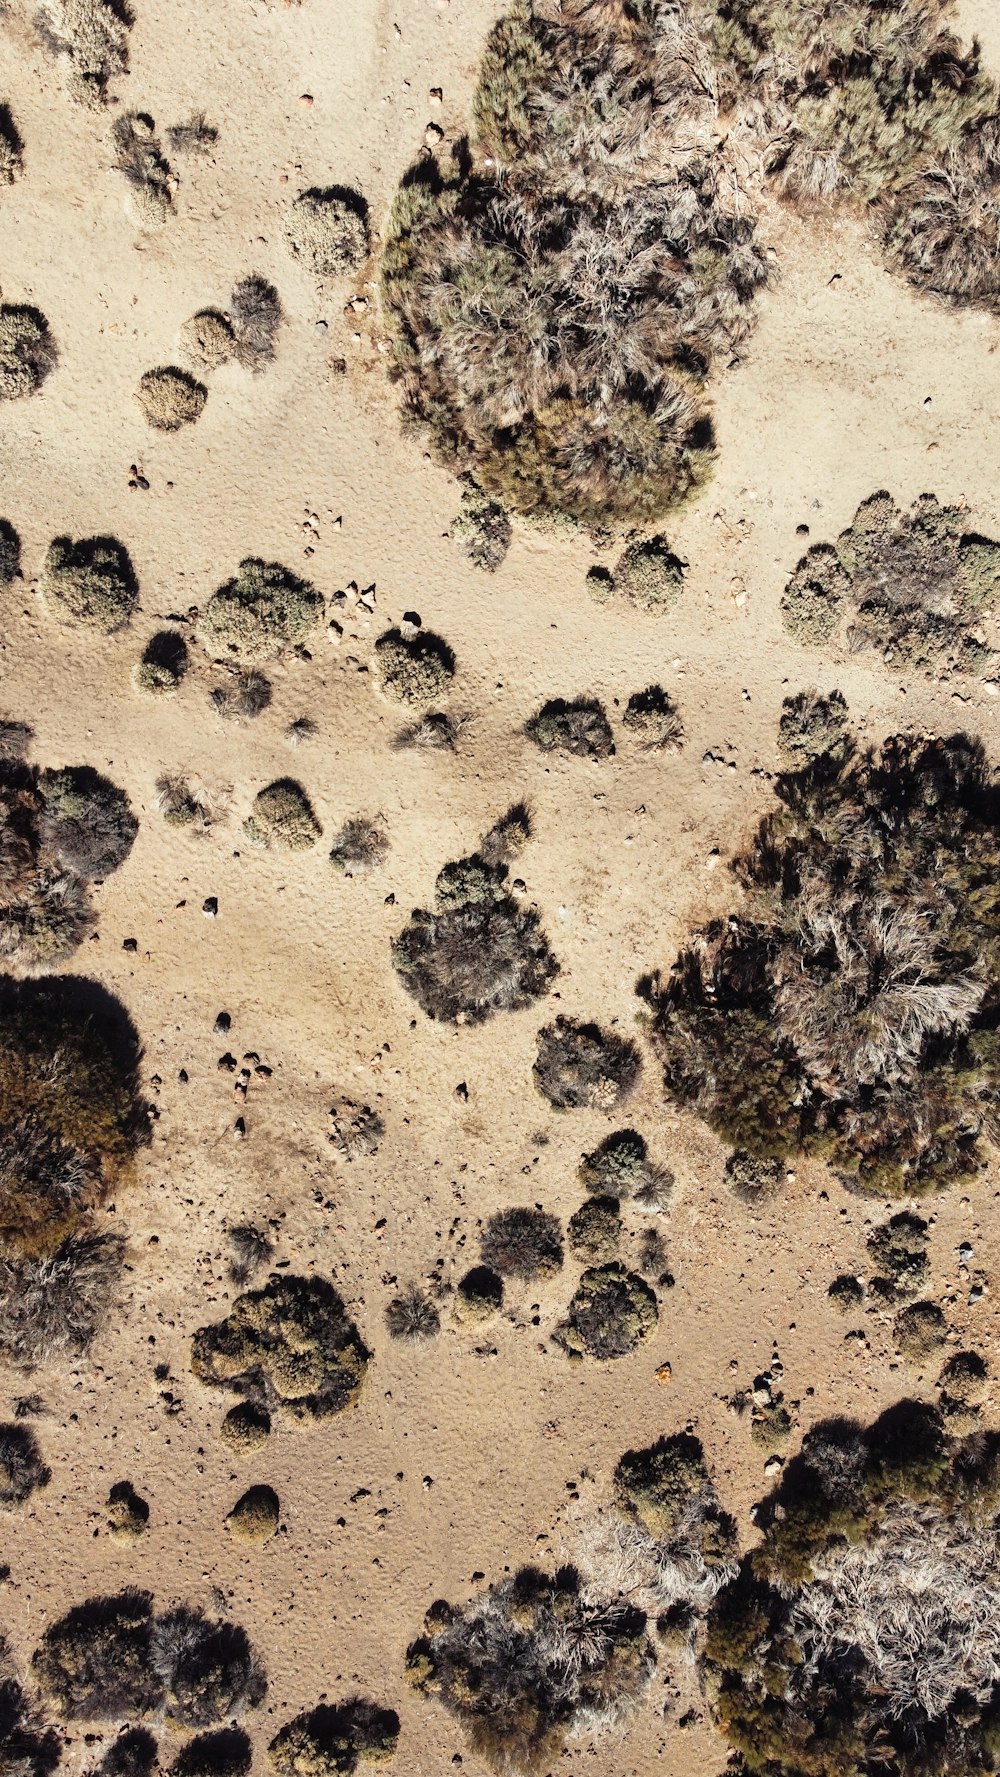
[[459, 1461]]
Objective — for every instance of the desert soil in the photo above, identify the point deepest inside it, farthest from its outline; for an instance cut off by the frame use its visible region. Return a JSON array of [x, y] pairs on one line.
[[460, 1458]]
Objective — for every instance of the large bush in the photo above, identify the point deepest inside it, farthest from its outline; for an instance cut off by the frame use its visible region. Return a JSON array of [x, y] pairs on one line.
[[290, 1345], [478, 952], [262, 610]]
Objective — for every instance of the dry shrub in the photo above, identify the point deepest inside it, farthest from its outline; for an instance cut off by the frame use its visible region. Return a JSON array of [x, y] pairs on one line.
[[582, 1066], [846, 1292], [327, 231], [207, 340], [435, 732], [22, 1471], [128, 1515], [196, 136], [414, 669], [478, 952], [334, 1738], [362, 845], [245, 1428], [580, 728], [185, 802], [523, 1242], [920, 1329], [290, 1345], [356, 1130], [221, 1752], [667, 1490], [170, 398], [283, 817], [655, 720], [243, 696], [649, 575], [250, 1250], [29, 1746], [262, 610], [256, 315], [164, 662], [132, 1753], [754, 1178], [91, 38], [813, 728], [478, 1295], [914, 587], [481, 530], [51, 1308], [85, 821], [612, 1311], [10, 553], [255, 1517], [508, 836], [139, 158], [412, 1315], [91, 581], [11, 148], [594, 1230], [27, 350]]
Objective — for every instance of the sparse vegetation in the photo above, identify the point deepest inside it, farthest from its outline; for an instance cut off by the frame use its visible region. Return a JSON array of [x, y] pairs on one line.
[[580, 727], [139, 158], [11, 148], [357, 1130], [52, 1307], [481, 530], [256, 314], [196, 136], [244, 695], [846, 1292], [413, 668], [206, 341], [478, 952], [611, 1312], [847, 1011], [250, 1250], [290, 1347], [170, 398], [362, 845], [655, 720], [90, 37], [435, 732], [164, 662], [91, 581], [479, 1295], [508, 836], [334, 1738], [412, 1315], [898, 1250], [184, 802], [327, 231], [914, 586], [29, 1747], [581, 1066], [524, 1242], [262, 610], [283, 817], [27, 350], [255, 1516], [22, 1471]]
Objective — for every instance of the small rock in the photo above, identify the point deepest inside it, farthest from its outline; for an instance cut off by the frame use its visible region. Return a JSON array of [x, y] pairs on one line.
[[210, 907], [131, 945], [964, 1253], [435, 96], [223, 1024], [319, 327], [240, 1128], [226, 1064], [307, 100], [774, 1465], [433, 134], [664, 1374]]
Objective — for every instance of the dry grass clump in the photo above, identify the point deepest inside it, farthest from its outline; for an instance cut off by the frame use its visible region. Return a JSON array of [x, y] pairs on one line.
[[11, 148], [920, 1329], [478, 1295], [245, 695], [523, 1242], [435, 732], [22, 1471], [283, 817], [413, 668], [412, 1315], [915, 587], [52, 1307], [754, 1178], [561, 291], [362, 845], [207, 340], [813, 727], [128, 1515], [196, 136], [262, 610], [847, 1011], [612, 1311], [327, 231], [114, 1657], [356, 1130], [579, 727], [91, 38], [531, 1660], [27, 350], [256, 315], [594, 1230], [478, 952], [185, 802], [655, 720], [940, 229], [245, 1428], [90, 581], [164, 662], [250, 1250], [508, 836], [481, 530], [290, 1346], [334, 1738], [582, 1066], [255, 1517], [170, 398], [139, 158], [869, 1615], [29, 1746]]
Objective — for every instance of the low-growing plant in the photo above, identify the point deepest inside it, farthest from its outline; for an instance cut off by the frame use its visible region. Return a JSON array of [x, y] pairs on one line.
[[29, 1745], [139, 158], [262, 610], [256, 314], [478, 1295], [282, 816], [250, 1250], [246, 1428], [299, 730], [754, 1178], [435, 732], [582, 1066], [478, 952], [220, 1752], [11, 148], [206, 341], [184, 802], [413, 668], [594, 1230], [22, 1470], [898, 1251], [412, 1315], [327, 230], [90, 37], [611, 1312], [170, 398], [508, 836], [132, 1753], [814, 728], [481, 530], [196, 136], [618, 1166], [655, 720], [128, 1515], [334, 1738], [165, 660], [289, 1346], [649, 575], [846, 1292], [27, 350], [91, 581], [255, 1517], [53, 1306], [920, 1329], [580, 727], [524, 1242], [245, 695], [357, 1129], [362, 845]]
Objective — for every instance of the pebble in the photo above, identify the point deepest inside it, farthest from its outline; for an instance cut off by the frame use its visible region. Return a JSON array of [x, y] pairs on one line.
[[435, 95], [664, 1373], [306, 99], [131, 945], [773, 1465], [240, 1128], [320, 327], [964, 1253], [433, 134]]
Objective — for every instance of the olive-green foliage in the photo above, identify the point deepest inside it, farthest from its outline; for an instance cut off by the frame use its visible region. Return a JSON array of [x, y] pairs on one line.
[[164, 662], [85, 820], [27, 351], [478, 1295], [328, 231], [245, 1428], [579, 727], [813, 727], [847, 1011], [754, 1178], [594, 1230], [560, 292], [91, 38], [527, 1661], [618, 1166], [523, 1242], [914, 587], [290, 1345], [254, 1518], [91, 581], [581, 1066], [919, 1329], [282, 816], [481, 530], [861, 1634], [962, 1387], [649, 575], [170, 398], [611, 1312], [898, 1250], [666, 1488], [334, 1738], [262, 610], [414, 669], [478, 952]]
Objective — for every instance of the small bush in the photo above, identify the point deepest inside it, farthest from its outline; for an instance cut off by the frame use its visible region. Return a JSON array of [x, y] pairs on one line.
[[27, 351], [132, 1753], [919, 1329], [435, 732], [594, 1230], [753, 1179], [206, 341], [11, 148], [128, 1515], [264, 609], [479, 1295], [208, 1669], [617, 1167], [525, 1243], [649, 575], [244, 696], [481, 530], [246, 1428], [327, 231], [611, 1313], [357, 1130], [255, 1516], [256, 314], [10, 553], [478, 952], [196, 136], [222, 1752], [91, 581], [846, 1293], [300, 729], [86, 820], [362, 845], [333, 1739], [282, 816], [507, 837], [898, 1250], [580, 728], [289, 1346], [581, 1066], [170, 398], [667, 1489], [412, 1315], [655, 720], [22, 1471], [413, 669], [185, 804], [814, 728], [51, 1308], [91, 38], [250, 1250], [164, 662], [139, 158]]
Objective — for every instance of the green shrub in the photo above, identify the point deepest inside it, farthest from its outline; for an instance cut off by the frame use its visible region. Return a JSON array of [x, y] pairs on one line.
[[479, 1295], [282, 816], [246, 1428], [91, 581], [846, 1292], [617, 1167], [581, 1066], [649, 575], [289, 1346], [594, 1230], [523, 1242], [754, 1178], [255, 1516], [86, 820], [328, 231], [667, 1489], [920, 1329], [170, 398], [132, 1753], [414, 669], [91, 38], [262, 610], [207, 340], [611, 1313], [580, 727], [334, 1738], [27, 351], [898, 1250], [478, 952]]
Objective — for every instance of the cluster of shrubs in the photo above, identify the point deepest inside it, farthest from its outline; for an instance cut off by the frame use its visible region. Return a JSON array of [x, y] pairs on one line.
[[579, 726], [289, 1347], [334, 1738], [914, 586], [647, 575], [869, 1615], [245, 333], [848, 1010]]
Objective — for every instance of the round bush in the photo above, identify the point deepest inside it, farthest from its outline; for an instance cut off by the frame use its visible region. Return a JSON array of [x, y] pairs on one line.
[[170, 398], [262, 610], [523, 1243], [27, 351], [91, 581], [327, 231]]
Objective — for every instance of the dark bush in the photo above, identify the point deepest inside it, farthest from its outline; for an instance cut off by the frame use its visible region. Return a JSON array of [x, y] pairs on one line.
[[22, 1470], [334, 1738], [96, 1662], [223, 1752], [580, 727], [582, 1066], [207, 1669], [479, 1294], [522, 1243], [479, 952], [412, 1315], [164, 662], [290, 1345], [612, 1311], [898, 1250], [594, 1230], [132, 1753], [85, 820]]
